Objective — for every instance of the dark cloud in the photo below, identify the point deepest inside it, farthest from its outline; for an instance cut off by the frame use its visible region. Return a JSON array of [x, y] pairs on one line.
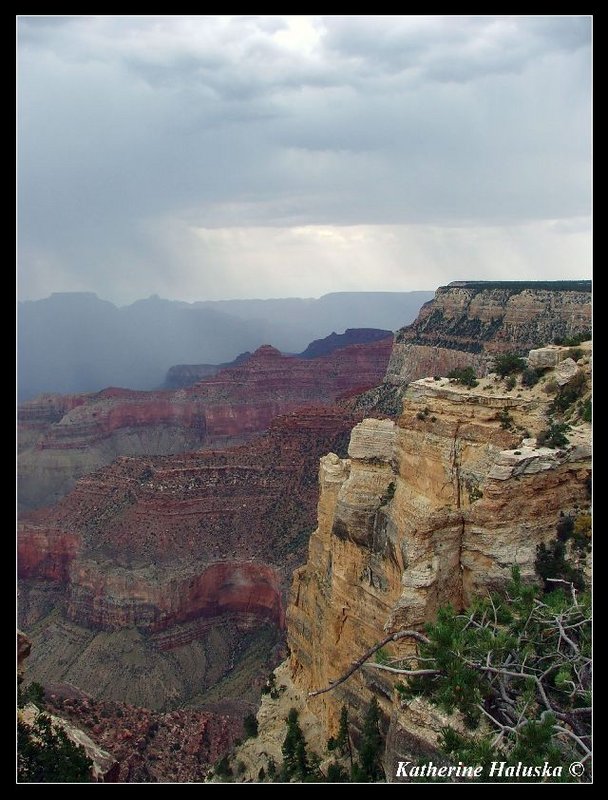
[[138, 134]]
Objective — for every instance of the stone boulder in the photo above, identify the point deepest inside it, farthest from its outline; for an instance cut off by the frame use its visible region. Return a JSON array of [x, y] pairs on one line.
[[565, 372], [546, 357]]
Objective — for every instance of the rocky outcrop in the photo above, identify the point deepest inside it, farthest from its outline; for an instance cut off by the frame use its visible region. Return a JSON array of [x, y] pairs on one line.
[[148, 746], [63, 439], [431, 510], [24, 648], [467, 323]]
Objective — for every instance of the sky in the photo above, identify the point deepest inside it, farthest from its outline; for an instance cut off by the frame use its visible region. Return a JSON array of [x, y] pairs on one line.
[[214, 157]]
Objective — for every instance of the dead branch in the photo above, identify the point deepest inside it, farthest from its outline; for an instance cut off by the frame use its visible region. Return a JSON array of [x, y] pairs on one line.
[[393, 637]]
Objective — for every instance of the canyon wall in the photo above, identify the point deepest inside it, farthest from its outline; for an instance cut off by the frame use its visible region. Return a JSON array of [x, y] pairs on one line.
[[469, 322], [432, 509], [161, 556], [61, 439]]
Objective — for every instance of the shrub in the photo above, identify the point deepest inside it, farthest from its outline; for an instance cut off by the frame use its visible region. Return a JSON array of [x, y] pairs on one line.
[[250, 725], [464, 375], [506, 420], [529, 377], [575, 353], [554, 436], [508, 364], [551, 387], [510, 382]]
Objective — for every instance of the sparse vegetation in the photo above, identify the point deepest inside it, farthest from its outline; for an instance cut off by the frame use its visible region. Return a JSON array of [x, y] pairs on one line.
[[465, 376], [573, 341], [33, 693], [223, 768]]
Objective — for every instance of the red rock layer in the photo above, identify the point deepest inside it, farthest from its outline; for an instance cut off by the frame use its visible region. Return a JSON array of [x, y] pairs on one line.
[[166, 540], [237, 401]]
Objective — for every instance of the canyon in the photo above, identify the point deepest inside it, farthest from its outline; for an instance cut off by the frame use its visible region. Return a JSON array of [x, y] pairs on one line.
[[62, 438], [157, 555], [165, 579]]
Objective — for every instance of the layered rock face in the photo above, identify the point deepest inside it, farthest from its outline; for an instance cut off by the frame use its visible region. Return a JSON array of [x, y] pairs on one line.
[[181, 376], [432, 509], [62, 439], [469, 322], [173, 547]]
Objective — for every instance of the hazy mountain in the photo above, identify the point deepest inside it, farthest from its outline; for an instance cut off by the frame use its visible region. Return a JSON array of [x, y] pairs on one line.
[[75, 342]]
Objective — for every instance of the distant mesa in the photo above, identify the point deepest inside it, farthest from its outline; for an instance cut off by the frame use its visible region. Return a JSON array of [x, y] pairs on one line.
[[182, 376], [75, 342], [323, 347]]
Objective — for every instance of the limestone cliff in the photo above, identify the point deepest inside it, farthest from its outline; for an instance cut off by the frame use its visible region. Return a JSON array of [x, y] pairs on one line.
[[468, 322], [430, 509]]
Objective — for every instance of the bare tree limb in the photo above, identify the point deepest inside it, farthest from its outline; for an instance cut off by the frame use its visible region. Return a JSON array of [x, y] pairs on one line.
[[576, 738], [394, 637], [399, 671]]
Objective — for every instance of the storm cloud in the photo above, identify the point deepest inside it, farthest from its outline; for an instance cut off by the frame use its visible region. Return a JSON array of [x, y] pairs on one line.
[[210, 157]]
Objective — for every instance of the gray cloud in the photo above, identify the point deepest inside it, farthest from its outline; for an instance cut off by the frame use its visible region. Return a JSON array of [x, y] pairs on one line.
[[139, 136]]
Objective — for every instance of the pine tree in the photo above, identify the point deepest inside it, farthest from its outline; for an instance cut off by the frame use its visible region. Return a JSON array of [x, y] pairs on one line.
[[371, 747], [295, 757], [45, 754], [342, 740]]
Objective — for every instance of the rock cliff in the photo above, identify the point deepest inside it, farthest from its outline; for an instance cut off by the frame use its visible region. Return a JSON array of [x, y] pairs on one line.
[[468, 322], [430, 509], [62, 439]]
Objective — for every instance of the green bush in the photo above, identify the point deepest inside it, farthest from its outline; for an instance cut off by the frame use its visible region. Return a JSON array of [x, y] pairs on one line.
[[554, 436], [510, 382], [504, 661], [529, 377], [508, 364], [464, 375], [506, 420]]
